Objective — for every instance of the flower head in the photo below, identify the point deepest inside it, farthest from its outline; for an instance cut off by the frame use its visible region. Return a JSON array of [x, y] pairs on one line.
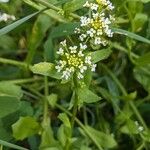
[[96, 26], [73, 60]]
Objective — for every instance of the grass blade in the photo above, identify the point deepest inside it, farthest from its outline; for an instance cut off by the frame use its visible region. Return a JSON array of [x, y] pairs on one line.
[[15, 24], [7, 144], [131, 35]]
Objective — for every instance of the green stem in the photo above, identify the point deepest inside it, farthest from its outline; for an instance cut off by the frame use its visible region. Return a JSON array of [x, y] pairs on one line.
[[13, 62], [23, 81], [124, 92], [45, 113], [74, 113], [51, 6], [81, 125]]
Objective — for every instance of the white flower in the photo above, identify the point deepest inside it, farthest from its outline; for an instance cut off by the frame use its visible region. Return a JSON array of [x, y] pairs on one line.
[[4, 1], [88, 60], [94, 6], [95, 15], [73, 49], [84, 21], [5, 17], [82, 37], [83, 46], [97, 41], [86, 4], [91, 32], [80, 54], [77, 30], [63, 43], [61, 51], [93, 67], [82, 68], [66, 74], [80, 76]]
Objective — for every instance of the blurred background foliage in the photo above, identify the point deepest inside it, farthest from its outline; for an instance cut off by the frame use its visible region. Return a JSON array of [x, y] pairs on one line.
[[122, 80]]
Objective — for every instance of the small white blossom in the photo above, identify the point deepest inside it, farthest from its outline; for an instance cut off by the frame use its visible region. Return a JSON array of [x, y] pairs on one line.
[[80, 54], [63, 43], [140, 128], [84, 21], [66, 74], [82, 68], [88, 60], [5, 17], [94, 7], [73, 49], [97, 41], [80, 76], [77, 30], [4, 1], [82, 37], [61, 51], [83, 46], [91, 32], [93, 67], [87, 4]]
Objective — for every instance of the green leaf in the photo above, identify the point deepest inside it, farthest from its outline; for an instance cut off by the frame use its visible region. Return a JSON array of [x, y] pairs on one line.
[[46, 69], [102, 139], [100, 55], [64, 29], [87, 96], [138, 21], [9, 89], [143, 60], [142, 75], [13, 146], [131, 35], [73, 5], [10, 95], [25, 127], [39, 30], [17, 23], [52, 99], [64, 118]]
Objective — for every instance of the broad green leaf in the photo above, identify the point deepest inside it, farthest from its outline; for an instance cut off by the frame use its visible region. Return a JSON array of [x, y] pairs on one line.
[[39, 29], [47, 137], [73, 5], [9, 89], [143, 60], [130, 127], [100, 55], [64, 30], [142, 75], [17, 23], [52, 99], [10, 95], [138, 21], [46, 69], [12, 146], [8, 105], [25, 127], [131, 35], [102, 139], [87, 96], [64, 118]]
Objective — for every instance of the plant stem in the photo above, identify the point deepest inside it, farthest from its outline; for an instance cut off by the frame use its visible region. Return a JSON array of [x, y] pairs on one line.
[[124, 92], [51, 6], [13, 62], [74, 113], [23, 81], [81, 125], [45, 113]]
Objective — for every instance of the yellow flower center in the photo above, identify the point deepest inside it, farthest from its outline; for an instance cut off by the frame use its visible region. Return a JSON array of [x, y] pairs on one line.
[[74, 60], [96, 24]]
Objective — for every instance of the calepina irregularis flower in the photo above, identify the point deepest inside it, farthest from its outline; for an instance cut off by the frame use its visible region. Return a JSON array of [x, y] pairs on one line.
[[96, 26], [73, 60]]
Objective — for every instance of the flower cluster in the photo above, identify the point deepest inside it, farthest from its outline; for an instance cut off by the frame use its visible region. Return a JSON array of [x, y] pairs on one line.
[[96, 26], [73, 60], [5, 17]]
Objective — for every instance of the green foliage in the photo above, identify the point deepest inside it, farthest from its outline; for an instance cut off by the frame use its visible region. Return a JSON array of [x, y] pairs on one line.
[[107, 109]]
